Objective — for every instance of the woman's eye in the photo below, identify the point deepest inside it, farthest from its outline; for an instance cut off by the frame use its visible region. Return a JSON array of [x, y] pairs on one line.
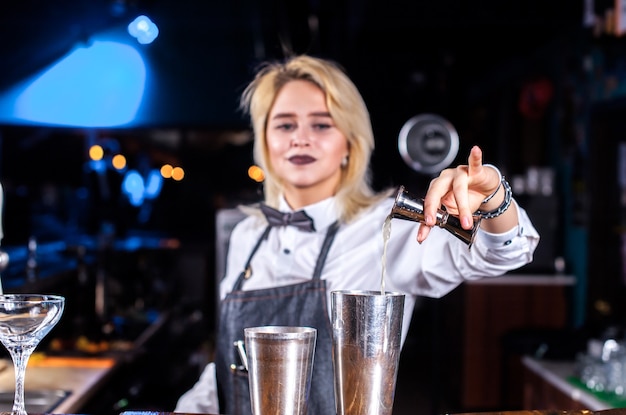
[[286, 126], [322, 126]]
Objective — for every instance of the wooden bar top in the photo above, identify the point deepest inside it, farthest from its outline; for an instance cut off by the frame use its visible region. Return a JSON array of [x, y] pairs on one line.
[[618, 411], [80, 376], [615, 411]]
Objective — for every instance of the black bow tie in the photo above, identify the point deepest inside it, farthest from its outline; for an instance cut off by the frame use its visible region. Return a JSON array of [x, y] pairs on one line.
[[298, 219]]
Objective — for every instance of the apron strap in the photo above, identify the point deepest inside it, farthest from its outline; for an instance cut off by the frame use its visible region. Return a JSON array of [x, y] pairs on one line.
[[247, 271]]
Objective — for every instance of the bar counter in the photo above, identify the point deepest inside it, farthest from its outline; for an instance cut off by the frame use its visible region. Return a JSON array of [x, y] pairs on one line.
[[81, 377], [547, 386]]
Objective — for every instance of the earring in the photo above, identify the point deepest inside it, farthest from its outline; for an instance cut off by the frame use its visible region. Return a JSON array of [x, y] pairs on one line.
[[344, 162]]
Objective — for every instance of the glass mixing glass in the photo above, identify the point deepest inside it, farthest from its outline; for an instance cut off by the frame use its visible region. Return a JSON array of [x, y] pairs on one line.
[[25, 319]]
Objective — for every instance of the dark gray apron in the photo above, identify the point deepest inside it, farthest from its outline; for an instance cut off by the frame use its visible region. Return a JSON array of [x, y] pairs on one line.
[[302, 304]]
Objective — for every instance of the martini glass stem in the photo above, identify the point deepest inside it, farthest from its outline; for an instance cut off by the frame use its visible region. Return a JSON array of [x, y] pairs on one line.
[[20, 356]]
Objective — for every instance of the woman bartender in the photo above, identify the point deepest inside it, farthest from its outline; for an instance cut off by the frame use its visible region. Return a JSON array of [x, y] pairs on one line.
[[313, 139]]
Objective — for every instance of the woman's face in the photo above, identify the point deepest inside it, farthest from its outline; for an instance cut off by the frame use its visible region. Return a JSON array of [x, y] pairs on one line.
[[305, 147]]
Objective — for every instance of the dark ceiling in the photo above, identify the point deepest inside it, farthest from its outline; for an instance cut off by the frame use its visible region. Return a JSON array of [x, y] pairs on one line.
[[414, 53]]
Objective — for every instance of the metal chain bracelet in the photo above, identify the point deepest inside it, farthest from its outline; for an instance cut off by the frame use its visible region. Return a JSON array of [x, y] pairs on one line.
[[508, 197]]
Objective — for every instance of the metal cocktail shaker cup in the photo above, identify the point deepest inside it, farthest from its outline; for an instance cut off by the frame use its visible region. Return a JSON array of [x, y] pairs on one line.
[[367, 331], [280, 366]]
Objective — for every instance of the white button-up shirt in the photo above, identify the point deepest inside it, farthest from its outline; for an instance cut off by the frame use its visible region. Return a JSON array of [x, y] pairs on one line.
[[354, 261]]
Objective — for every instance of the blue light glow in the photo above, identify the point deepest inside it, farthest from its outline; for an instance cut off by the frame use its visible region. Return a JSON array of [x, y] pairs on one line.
[[143, 29], [133, 187], [98, 165], [98, 86], [155, 183]]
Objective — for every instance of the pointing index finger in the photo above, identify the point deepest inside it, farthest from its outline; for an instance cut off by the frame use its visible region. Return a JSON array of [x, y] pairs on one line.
[[475, 160]]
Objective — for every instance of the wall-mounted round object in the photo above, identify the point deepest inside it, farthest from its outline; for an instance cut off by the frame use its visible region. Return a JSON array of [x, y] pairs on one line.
[[428, 143]]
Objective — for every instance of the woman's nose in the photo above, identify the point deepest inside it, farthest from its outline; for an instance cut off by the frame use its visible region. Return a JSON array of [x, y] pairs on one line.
[[300, 138]]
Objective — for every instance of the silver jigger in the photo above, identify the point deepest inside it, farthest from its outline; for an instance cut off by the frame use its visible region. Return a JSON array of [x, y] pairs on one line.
[[411, 208]]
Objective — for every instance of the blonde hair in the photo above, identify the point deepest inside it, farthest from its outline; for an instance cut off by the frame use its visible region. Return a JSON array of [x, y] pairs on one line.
[[348, 110]]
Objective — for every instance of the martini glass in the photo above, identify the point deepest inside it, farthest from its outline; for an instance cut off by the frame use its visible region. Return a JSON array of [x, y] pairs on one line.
[[25, 319]]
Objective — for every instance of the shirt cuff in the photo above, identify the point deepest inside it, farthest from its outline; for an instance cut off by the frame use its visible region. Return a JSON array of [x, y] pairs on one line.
[[500, 239]]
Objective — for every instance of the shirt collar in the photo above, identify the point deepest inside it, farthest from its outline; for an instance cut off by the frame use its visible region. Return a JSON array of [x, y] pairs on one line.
[[324, 213]]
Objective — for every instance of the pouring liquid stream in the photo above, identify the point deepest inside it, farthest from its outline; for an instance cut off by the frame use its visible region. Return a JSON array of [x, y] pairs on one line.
[[386, 236]]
